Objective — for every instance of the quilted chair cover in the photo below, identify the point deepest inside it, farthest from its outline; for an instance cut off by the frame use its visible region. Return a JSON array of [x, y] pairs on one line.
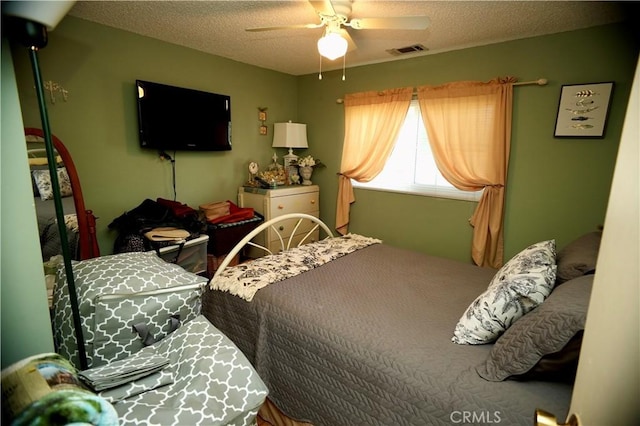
[[126, 301]]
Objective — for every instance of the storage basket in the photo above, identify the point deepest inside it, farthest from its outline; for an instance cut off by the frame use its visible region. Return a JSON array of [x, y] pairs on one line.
[[192, 255], [118, 296], [224, 236]]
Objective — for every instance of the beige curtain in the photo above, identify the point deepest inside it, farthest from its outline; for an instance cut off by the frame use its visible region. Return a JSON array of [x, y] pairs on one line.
[[469, 129], [372, 121]]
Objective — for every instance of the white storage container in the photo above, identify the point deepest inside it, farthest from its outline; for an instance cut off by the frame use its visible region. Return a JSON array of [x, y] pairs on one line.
[[192, 257]]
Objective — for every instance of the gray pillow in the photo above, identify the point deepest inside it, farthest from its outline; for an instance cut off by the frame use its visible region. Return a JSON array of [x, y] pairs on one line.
[[543, 331], [559, 366], [578, 257]]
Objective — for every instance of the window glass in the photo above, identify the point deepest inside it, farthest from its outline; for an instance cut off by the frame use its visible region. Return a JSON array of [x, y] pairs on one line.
[[411, 167]]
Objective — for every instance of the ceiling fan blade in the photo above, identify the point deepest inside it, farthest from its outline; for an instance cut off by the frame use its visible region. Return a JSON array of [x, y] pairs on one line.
[[350, 43], [323, 7], [284, 27], [392, 23]]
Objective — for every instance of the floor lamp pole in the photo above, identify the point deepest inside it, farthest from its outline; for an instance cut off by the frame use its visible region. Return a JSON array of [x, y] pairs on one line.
[[62, 230]]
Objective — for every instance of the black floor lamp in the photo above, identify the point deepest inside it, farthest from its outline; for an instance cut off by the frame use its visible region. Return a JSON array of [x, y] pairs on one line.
[[28, 23]]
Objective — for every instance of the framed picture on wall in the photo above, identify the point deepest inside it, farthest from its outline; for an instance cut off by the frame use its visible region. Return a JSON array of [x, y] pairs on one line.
[[583, 110]]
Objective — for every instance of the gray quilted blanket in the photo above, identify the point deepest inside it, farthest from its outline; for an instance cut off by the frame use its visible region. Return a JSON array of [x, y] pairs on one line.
[[366, 340], [213, 384]]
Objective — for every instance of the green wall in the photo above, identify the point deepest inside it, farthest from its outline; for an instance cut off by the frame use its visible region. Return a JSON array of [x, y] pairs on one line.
[[26, 328], [557, 188], [98, 65]]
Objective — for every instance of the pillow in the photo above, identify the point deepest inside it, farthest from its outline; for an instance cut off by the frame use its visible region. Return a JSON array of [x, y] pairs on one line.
[[548, 329], [578, 257], [560, 366], [36, 193], [519, 286], [43, 182]]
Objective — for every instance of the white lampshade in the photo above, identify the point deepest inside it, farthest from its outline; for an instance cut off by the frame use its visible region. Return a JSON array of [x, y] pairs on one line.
[[290, 135], [47, 13], [332, 46]]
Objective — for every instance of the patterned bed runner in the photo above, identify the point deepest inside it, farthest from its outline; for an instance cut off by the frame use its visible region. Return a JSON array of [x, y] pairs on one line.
[[246, 279]]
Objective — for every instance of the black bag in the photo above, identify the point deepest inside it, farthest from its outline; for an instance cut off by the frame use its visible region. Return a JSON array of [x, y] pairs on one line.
[[150, 214]]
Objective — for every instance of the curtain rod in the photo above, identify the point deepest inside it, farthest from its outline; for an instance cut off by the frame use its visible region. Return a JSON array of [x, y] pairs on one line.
[[539, 82]]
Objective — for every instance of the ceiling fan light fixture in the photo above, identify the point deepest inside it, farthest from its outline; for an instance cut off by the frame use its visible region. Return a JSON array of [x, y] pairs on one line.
[[332, 46]]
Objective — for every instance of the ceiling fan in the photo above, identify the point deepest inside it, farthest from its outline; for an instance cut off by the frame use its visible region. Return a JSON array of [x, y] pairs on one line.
[[335, 17]]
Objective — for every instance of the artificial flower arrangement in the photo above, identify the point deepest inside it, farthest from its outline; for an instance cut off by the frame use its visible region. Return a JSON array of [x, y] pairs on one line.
[[308, 161]]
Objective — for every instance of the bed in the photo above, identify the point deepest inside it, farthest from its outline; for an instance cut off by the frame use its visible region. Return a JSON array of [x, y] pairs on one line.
[[366, 338], [80, 228]]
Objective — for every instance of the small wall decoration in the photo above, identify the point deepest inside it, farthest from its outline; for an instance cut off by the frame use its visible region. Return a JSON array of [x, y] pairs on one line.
[[53, 87], [262, 117], [583, 109]]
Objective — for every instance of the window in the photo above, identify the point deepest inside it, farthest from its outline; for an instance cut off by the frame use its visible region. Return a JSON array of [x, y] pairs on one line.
[[411, 168]]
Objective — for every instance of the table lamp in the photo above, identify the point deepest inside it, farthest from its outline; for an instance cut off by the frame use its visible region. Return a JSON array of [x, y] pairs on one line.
[[290, 135]]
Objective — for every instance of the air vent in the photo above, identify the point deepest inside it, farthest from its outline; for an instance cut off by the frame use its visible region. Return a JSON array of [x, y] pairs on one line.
[[408, 49]]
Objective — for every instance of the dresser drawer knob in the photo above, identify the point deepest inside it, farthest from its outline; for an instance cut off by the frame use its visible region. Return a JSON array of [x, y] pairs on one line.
[[280, 207], [313, 201]]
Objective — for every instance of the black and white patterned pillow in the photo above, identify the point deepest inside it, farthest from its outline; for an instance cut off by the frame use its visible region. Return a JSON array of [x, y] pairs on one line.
[[523, 283], [42, 179]]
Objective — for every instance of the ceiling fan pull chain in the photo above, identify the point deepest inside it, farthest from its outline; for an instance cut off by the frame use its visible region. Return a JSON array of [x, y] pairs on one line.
[[320, 73], [344, 61]]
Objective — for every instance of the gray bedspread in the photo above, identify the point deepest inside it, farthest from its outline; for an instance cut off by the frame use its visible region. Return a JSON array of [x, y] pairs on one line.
[[366, 340]]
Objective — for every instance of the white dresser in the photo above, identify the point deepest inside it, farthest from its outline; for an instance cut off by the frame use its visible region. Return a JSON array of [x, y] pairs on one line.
[[272, 203]]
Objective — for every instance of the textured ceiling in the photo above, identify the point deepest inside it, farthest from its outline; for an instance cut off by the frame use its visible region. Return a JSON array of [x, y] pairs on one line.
[[218, 27]]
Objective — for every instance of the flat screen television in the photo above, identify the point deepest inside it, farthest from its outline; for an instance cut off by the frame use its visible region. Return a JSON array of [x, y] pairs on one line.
[[178, 119]]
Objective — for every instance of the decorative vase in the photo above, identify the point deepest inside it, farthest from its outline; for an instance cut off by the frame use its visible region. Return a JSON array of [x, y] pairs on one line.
[[305, 173]]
